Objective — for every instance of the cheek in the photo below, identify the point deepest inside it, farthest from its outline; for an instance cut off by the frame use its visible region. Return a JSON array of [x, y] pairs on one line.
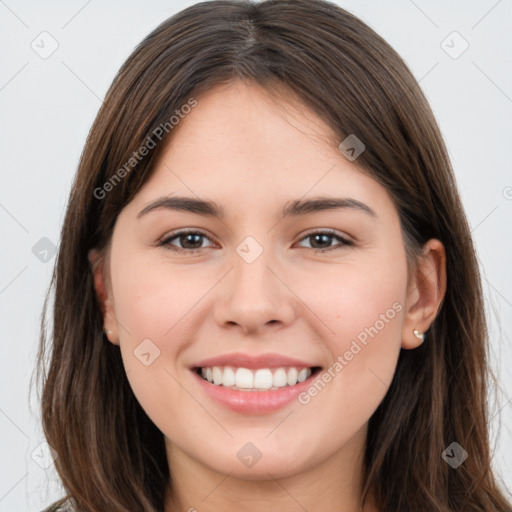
[[151, 311], [364, 312], [153, 306], [152, 298], [362, 306], [355, 296]]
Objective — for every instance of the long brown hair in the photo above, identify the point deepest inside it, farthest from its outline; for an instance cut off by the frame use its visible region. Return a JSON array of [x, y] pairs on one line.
[[110, 454]]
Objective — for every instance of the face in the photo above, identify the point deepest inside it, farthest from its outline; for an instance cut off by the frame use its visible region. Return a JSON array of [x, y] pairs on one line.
[[258, 256]]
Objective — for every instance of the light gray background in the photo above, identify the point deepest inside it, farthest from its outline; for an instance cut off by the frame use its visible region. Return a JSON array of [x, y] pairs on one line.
[[48, 105]]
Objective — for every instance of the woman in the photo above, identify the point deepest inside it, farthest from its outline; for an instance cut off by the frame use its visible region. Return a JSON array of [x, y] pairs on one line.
[[266, 294]]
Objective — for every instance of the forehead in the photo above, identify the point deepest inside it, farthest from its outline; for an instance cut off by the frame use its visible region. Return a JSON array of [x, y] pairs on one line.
[[247, 119], [241, 143]]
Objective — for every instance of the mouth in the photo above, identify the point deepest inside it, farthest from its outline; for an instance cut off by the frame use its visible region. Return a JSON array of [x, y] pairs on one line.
[[253, 384], [256, 379]]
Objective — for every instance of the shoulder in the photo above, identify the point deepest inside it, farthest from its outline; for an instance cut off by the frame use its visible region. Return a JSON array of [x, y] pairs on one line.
[[63, 505]]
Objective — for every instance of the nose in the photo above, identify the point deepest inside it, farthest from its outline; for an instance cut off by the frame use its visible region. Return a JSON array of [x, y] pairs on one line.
[[254, 297]]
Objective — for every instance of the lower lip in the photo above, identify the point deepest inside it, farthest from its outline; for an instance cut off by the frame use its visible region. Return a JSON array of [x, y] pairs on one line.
[[254, 402]]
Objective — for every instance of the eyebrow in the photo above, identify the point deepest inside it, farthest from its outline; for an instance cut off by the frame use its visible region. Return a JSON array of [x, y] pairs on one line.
[[291, 209]]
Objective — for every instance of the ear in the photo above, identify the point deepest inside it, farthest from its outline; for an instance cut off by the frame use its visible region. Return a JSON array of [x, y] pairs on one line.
[[426, 290], [104, 295]]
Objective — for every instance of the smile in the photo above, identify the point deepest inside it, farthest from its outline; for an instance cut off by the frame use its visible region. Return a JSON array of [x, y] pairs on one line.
[[261, 379], [248, 384]]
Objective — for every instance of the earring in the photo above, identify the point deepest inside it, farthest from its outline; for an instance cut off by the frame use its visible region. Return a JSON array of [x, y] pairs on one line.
[[419, 335], [107, 333]]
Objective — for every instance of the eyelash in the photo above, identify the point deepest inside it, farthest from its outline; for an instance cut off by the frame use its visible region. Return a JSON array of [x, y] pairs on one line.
[[166, 242]]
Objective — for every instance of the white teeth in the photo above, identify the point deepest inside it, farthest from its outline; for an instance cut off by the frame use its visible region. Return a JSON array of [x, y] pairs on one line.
[[254, 380], [244, 378], [292, 376], [228, 378], [303, 375], [279, 379], [263, 379], [217, 375]]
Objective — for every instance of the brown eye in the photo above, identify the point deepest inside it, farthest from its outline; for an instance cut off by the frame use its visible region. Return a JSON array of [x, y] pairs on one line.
[[185, 241], [323, 240]]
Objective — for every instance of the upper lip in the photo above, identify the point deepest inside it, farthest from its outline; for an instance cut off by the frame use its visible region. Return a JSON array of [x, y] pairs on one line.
[[240, 360]]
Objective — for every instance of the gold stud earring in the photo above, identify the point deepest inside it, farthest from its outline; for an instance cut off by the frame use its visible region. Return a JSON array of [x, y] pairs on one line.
[[419, 335]]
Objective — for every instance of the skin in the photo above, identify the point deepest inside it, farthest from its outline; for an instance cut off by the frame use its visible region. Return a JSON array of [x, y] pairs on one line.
[[251, 153]]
